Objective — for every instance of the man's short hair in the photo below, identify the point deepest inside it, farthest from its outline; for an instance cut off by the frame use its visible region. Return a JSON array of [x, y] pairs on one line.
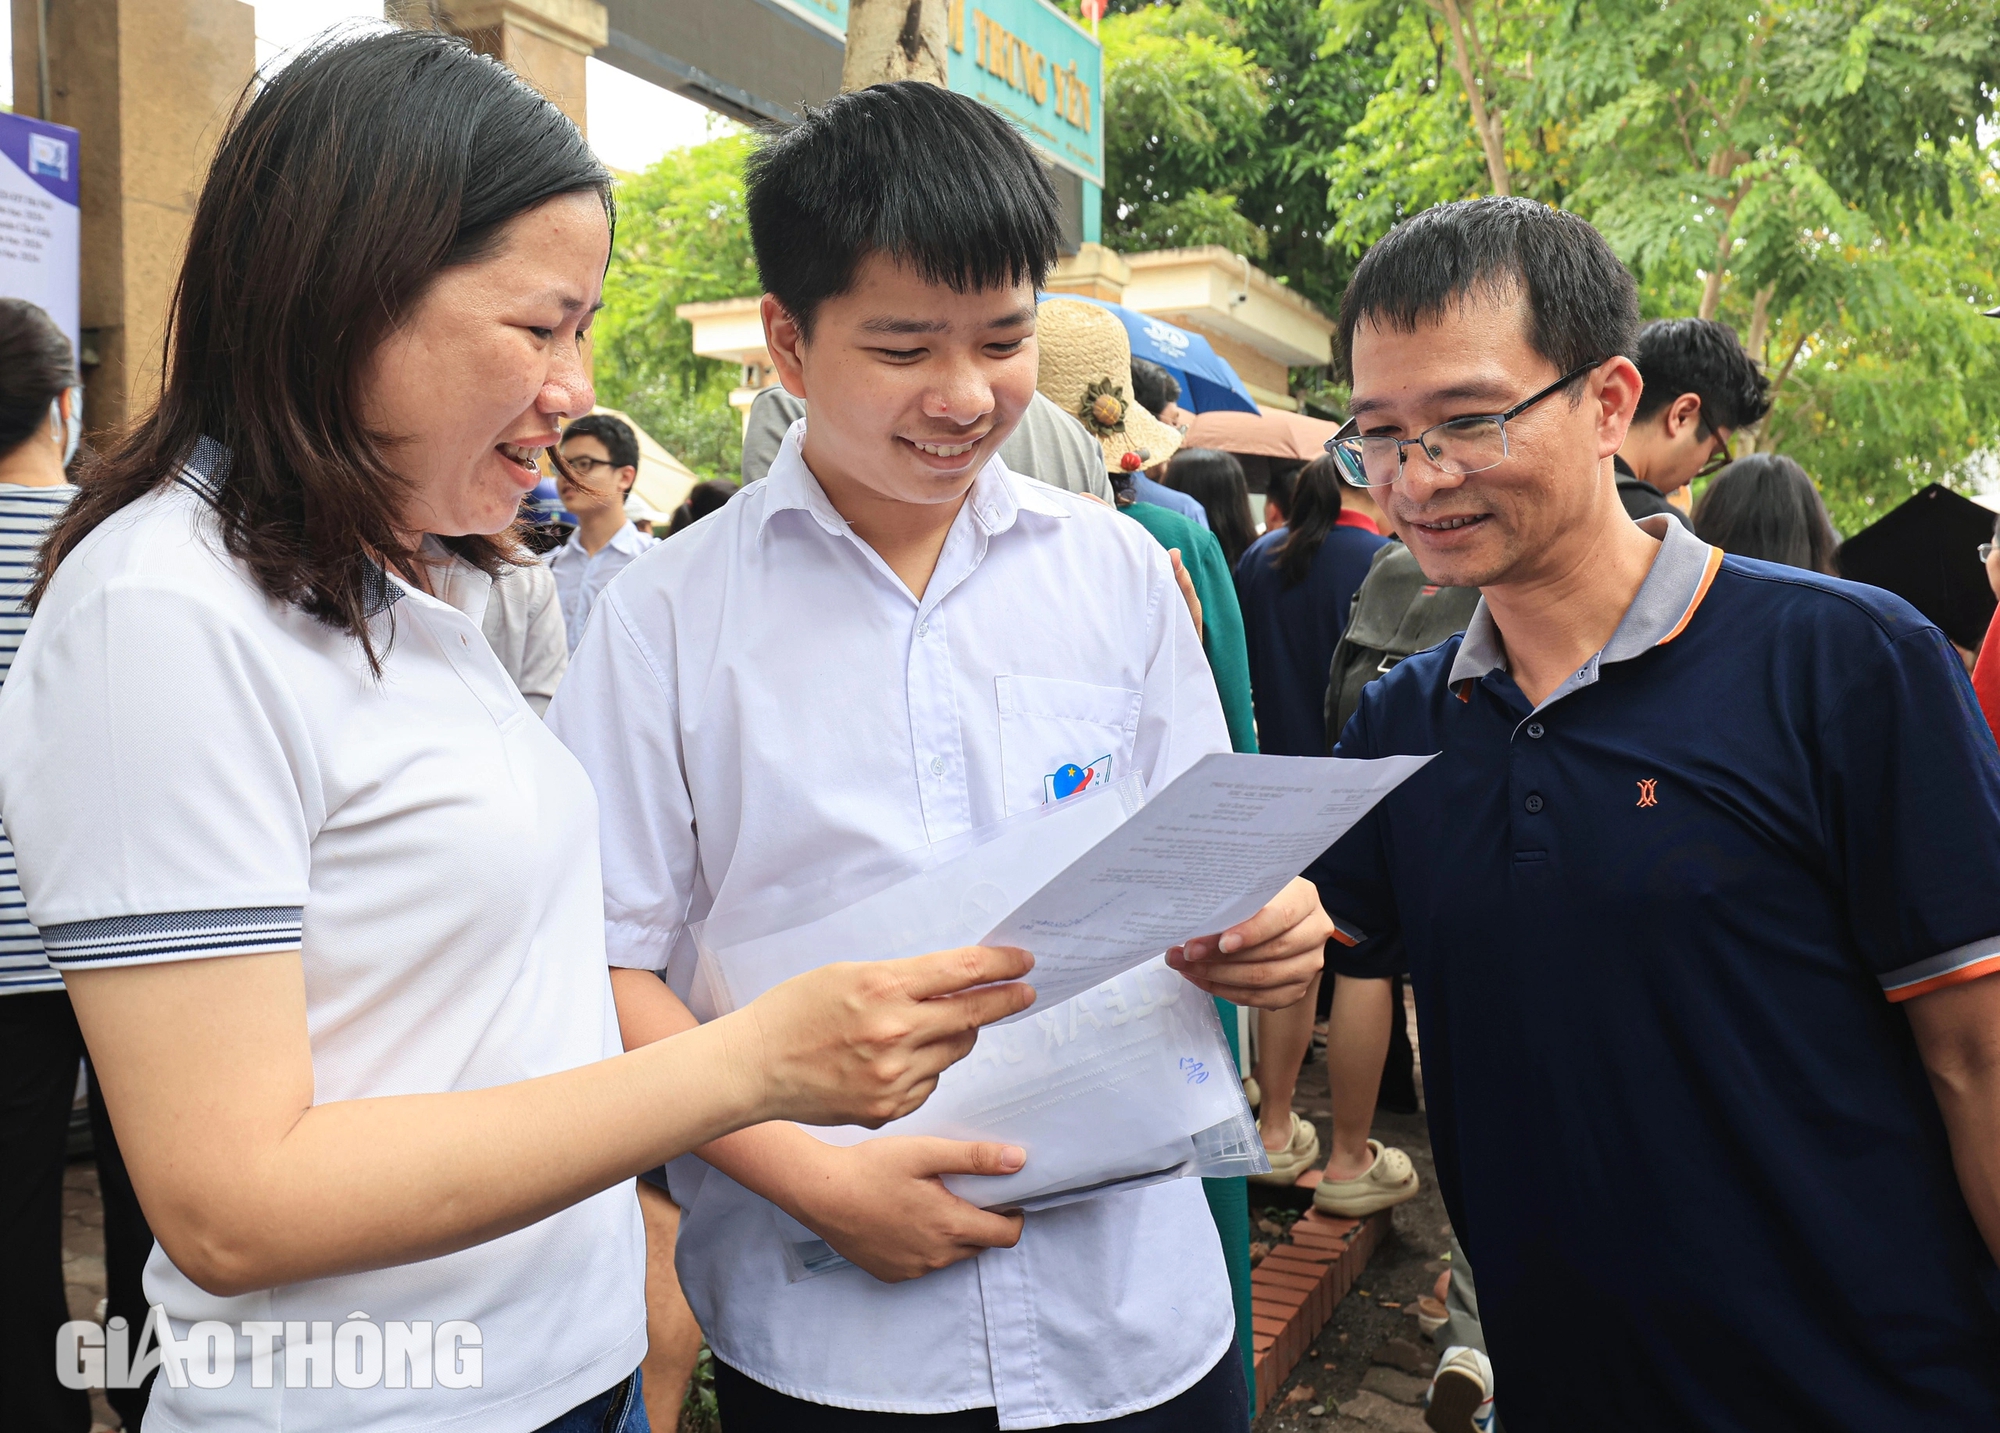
[[618, 439], [1153, 388], [1583, 305], [935, 180], [1700, 356]]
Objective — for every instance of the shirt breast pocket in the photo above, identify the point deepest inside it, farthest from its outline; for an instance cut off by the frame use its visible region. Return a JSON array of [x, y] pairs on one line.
[[1061, 738]]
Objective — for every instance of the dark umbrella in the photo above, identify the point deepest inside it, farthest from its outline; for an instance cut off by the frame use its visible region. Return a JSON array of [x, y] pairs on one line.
[[1926, 552]]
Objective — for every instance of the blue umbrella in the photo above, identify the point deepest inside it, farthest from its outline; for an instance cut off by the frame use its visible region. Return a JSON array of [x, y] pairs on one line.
[[1206, 381]]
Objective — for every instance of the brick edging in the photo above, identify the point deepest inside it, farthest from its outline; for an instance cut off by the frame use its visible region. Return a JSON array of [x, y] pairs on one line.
[[1294, 1290]]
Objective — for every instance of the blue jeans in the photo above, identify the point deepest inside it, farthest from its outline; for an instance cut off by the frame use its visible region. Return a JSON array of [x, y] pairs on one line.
[[619, 1409]]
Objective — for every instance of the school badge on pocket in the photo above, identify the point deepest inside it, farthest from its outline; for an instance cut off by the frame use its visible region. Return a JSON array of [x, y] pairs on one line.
[[1072, 778]]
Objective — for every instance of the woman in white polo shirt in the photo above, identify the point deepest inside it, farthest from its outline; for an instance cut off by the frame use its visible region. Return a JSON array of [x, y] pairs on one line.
[[324, 891]]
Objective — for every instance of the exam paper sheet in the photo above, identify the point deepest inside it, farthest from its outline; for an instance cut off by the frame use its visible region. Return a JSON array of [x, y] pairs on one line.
[[934, 907], [1210, 850]]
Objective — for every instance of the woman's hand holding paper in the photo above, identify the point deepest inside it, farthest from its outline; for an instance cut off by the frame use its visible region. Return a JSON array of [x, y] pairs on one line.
[[1267, 961], [864, 1043]]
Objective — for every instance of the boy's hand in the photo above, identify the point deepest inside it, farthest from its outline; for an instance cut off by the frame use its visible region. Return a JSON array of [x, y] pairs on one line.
[[864, 1043], [1268, 960], [881, 1205]]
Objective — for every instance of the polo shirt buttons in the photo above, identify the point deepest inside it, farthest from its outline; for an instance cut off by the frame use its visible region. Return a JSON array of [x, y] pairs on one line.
[[1535, 730], [923, 628], [937, 768], [1533, 803]]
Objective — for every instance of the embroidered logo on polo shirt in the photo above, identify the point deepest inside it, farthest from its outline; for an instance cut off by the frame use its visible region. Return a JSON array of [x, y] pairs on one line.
[[1068, 780], [1648, 791]]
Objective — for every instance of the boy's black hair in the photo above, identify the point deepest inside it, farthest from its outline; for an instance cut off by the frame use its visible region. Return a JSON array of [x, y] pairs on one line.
[[1153, 388], [1583, 305], [935, 180], [617, 438], [1700, 356]]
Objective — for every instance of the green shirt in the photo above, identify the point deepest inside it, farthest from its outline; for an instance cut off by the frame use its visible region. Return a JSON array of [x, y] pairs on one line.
[[1221, 618]]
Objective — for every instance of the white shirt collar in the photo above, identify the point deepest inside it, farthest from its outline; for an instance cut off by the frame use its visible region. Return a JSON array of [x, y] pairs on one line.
[[627, 540]]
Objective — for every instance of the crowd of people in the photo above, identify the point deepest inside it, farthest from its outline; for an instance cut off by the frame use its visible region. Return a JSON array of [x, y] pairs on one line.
[[361, 849]]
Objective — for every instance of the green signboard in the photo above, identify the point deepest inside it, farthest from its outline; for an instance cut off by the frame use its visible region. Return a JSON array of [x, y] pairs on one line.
[[827, 14], [1026, 59], [1039, 68]]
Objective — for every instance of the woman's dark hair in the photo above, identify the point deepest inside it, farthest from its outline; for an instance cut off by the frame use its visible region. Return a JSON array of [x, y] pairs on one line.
[[340, 191], [702, 499], [1278, 486], [935, 180], [1314, 511], [1764, 506], [1214, 479], [36, 366]]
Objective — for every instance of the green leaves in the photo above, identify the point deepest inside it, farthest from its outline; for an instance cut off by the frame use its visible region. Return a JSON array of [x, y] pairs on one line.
[[1809, 172], [1182, 109], [682, 237]]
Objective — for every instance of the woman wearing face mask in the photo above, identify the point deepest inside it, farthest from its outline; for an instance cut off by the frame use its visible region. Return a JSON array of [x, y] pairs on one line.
[[41, 420], [325, 893]]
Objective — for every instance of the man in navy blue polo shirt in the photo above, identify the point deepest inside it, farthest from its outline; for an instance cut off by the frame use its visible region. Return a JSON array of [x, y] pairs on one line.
[[1698, 899]]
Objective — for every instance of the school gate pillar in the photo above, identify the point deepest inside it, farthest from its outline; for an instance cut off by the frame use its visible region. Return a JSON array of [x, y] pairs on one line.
[[148, 85], [545, 42]]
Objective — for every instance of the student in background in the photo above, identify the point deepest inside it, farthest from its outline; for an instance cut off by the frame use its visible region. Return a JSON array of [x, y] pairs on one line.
[[1700, 388], [702, 499], [1156, 391], [600, 462], [1159, 393], [1295, 585], [1765, 506], [1278, 498], [523, 624], [1214, 479]]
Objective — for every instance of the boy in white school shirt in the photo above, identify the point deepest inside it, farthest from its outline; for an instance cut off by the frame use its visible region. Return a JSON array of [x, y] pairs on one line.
[[890, 641]]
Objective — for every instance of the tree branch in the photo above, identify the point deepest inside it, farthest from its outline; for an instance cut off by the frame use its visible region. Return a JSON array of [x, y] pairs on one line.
[[1485, 125], [1760, 321], [1711, 289]]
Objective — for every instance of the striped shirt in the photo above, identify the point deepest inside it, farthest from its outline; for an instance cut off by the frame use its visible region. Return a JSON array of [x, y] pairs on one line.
[[25, 515]]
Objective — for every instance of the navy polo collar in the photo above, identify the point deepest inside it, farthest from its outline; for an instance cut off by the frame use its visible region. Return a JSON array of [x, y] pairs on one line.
[[1666, 601]]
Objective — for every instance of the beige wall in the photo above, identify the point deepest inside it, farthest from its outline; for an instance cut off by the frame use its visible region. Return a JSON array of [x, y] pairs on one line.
[[149, 84], [1252, 367]]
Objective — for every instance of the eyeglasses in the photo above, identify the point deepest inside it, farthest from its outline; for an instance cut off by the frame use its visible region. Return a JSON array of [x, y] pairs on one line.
[[587, 465], [1719, 459], [1986, 551], [1457, 446]]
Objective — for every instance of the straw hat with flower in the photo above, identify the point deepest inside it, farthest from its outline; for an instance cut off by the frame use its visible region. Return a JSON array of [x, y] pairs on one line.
[[1086, 370]]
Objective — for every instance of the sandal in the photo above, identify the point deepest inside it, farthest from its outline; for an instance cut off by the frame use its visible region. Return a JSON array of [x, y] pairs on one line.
[[1388, 1181]]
